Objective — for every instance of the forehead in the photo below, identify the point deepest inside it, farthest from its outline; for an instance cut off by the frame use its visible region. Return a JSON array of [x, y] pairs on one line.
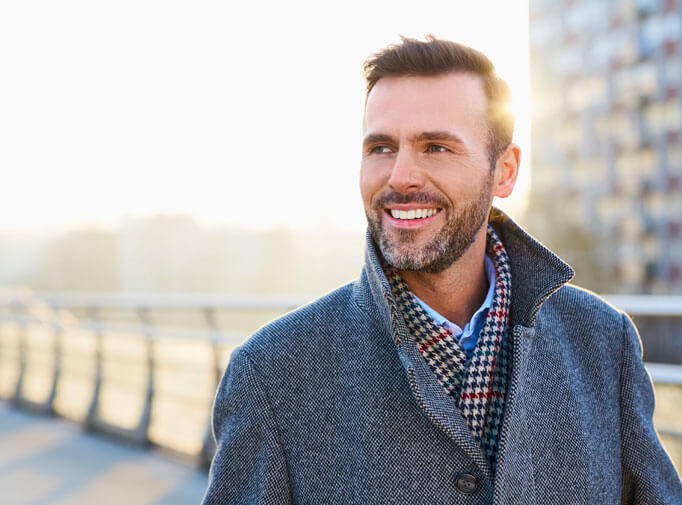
[[424, 103]]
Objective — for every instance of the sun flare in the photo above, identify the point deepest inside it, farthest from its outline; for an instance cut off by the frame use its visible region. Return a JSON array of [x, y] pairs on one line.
[[184, 115]]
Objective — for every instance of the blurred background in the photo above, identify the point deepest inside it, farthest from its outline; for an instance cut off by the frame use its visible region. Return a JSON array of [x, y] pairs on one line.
[[176, 174]]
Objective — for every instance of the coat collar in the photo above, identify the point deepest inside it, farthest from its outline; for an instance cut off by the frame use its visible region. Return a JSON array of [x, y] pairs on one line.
[[536, 273]]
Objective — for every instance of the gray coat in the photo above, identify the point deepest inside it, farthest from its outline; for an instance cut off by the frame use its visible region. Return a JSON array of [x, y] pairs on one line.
[[333, 404]]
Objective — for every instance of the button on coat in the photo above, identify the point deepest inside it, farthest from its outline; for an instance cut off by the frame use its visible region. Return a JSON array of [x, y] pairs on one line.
[[466, 483]]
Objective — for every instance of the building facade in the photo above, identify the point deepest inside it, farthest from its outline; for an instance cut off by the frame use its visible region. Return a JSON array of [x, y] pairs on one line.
[[607, 139]]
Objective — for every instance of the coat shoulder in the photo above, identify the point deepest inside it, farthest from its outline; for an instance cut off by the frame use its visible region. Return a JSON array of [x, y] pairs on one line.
[[583, 316], [307, 330], [584, 305]]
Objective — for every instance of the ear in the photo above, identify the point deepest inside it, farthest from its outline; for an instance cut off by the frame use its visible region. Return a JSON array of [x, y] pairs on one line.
[[506, 170]]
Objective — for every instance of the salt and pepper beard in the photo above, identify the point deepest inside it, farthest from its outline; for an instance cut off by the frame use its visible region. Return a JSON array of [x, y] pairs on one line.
[[456, 236]]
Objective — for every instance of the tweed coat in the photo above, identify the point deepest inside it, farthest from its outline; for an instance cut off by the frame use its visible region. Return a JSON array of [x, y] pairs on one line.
[[334, 404]]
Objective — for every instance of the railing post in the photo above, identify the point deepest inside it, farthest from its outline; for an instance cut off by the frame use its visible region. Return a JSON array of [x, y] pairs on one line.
[[21, 337], [91, 418], [208, 446], [57, 333], [141, 431]]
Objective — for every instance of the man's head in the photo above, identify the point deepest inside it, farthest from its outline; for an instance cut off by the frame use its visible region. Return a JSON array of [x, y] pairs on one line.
[[437, 57], [437, 148]]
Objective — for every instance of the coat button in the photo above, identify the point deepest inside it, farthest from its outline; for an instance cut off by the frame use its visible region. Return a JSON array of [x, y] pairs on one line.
[[465, 483]]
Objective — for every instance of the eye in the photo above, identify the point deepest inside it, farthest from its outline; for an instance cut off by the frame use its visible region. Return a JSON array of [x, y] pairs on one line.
[[380, 149], [436, 148]]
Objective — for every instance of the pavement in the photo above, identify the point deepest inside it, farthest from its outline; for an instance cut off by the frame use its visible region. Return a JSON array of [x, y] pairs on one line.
[[52, 461]]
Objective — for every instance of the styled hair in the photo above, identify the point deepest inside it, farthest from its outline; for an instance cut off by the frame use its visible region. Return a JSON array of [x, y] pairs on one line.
[[412, 57]]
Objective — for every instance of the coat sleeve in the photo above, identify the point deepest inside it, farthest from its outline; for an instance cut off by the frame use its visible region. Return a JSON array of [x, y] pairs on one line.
[[249, 467], [648, 474]]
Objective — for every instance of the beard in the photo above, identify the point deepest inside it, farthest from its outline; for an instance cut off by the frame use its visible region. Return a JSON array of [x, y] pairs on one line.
[[461, 226]]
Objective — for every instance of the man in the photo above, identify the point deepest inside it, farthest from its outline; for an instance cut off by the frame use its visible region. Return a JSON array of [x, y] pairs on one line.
[[460, 367]]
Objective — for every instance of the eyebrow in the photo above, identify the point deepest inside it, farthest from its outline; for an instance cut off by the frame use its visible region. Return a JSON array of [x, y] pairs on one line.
[[376, 138], [436, 135]]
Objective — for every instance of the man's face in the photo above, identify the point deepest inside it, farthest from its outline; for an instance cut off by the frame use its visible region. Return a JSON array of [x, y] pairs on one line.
[[425, 179]]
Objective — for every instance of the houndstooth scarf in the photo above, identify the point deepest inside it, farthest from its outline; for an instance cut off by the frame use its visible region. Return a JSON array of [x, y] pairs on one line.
[[478, 385]]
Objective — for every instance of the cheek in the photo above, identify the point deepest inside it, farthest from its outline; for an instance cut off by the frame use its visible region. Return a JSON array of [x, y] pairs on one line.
[[461, 178], [371, 182]]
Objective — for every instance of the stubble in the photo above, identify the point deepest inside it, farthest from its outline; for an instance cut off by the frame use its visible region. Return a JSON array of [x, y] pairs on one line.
[[461, 227]]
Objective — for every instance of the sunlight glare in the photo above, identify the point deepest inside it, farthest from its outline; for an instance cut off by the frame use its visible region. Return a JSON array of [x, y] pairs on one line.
[[247, 114]]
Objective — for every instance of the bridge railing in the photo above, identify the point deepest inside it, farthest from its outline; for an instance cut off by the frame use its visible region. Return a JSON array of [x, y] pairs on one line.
[[131, 367], [138, 380]]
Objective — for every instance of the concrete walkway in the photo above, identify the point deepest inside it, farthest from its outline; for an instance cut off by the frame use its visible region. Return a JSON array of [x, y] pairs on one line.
[[52, 461]]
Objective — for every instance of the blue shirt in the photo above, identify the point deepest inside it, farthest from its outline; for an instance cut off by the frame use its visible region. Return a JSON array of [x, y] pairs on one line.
[[469, 335]]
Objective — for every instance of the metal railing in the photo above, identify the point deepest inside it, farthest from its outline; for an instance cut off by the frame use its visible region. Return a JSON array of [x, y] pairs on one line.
[[647, 305], [69, 342], [659, 320], [35, 332]]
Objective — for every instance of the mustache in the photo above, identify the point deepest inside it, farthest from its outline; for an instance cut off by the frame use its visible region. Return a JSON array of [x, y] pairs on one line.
[[395, 197]]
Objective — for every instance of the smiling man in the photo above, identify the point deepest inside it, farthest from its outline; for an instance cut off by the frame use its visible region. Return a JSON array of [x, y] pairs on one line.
[[460, 367]]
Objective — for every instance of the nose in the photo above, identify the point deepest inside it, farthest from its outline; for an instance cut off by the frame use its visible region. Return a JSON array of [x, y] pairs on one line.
[[406, 175]]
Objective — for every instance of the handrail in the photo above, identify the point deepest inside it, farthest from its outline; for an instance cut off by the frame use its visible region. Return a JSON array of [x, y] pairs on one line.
[[641, 305], [159, 301], [647, 305], [662, 373], [148, 330]]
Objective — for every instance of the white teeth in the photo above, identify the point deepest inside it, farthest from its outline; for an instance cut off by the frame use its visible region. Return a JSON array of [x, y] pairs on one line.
[[412, 214]]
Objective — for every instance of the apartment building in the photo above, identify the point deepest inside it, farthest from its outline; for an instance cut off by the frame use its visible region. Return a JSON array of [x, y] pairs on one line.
[[607, 139]]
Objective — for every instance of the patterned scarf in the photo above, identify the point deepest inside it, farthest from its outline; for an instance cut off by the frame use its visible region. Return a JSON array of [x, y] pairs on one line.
[[478, 385]]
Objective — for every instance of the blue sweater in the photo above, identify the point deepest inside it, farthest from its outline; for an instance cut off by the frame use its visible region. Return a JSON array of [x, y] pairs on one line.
[[333, 404]]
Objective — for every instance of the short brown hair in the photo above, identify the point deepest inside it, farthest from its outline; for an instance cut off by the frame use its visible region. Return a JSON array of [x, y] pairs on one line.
[[438, 56]]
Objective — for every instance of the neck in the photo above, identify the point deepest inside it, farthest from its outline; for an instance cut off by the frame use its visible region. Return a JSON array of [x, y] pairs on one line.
[[458, 291]]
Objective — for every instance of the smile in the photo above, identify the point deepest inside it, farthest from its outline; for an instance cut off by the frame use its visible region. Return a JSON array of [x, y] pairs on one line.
[[408, 215]]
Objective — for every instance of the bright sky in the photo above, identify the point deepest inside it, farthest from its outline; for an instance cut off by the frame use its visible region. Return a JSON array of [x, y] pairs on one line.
[[239, 112]]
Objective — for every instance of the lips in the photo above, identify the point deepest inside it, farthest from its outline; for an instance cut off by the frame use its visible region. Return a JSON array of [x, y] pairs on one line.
[[409, 210]]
